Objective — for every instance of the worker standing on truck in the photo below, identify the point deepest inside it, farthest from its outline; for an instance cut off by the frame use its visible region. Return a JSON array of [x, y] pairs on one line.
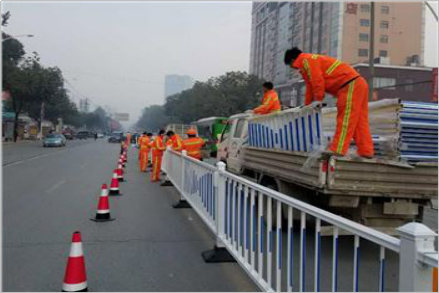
[[157, 153], [174, 140], [270, 100], [193, 144], [144, 142], [326, 74]]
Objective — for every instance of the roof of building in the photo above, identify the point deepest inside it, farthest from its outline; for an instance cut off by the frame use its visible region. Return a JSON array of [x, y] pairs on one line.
[[394, 66]]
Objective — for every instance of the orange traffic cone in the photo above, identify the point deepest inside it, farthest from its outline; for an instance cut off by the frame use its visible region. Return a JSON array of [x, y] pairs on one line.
[[103, 212], [119, 172], [75, 279], [122, 158], [114, 186]]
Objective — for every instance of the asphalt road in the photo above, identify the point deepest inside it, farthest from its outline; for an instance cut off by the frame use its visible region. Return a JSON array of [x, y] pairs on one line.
[[50, 193]]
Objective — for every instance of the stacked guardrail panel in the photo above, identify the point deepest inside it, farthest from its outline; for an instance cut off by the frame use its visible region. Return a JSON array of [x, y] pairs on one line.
[[297, 129], [400, 130], [419, 131]]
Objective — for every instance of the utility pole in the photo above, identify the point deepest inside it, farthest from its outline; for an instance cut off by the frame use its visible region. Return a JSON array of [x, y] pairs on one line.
[[41, 120], [371, 48]]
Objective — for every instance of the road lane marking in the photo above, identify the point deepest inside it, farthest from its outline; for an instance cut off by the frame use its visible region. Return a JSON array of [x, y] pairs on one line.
[[55, 186]]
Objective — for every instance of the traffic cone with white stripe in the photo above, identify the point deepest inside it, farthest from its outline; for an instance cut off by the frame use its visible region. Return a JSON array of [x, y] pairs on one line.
[[103, 212], [122, 158], [120, 173], [114, 186], [75, 279]]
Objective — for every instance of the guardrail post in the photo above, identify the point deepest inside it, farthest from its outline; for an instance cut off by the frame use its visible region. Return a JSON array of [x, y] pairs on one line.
[[415, 276], [182, 203], [219, 252], [167, 161]]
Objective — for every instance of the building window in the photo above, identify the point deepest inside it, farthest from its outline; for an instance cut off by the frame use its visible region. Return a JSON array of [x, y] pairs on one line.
[[365, 8], [383, 53], [364, 37], [384, 39], [384, 82], [385, 9], [384, 24], [363, 52], [364, 22], [408, 85]]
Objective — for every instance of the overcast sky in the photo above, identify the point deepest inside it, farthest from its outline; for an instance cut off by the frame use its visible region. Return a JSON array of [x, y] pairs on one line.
[[117, 54]]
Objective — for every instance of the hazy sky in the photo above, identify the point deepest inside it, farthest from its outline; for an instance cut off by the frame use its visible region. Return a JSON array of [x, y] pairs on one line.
[[117, 53]]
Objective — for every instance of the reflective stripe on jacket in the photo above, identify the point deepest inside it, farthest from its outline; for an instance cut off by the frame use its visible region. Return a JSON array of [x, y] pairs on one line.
[[193, 146], [323, 74]]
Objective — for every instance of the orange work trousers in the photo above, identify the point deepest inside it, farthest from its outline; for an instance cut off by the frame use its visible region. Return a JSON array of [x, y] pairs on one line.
[[156, 166], [353, 119], [144, 155]]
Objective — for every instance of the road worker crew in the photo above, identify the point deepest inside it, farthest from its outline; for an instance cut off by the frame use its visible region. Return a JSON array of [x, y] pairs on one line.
[[270, 100], [193, 144], [175, 141], [326, 74], [158, 148], [144, 142]]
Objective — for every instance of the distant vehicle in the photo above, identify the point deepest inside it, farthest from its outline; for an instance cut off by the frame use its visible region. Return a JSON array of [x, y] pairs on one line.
[[82, 135], [116, 137], [100, 135], [54, 139], [90, 134], [210, 130]]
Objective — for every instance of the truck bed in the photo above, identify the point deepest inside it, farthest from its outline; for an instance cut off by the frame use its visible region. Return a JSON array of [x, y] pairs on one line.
[[346, 176]]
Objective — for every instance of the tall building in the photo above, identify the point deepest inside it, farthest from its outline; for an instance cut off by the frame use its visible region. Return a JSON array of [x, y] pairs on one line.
[[177, 83], [337, 29]]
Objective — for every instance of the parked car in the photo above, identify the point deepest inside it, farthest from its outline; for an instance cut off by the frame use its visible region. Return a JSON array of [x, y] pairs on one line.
[[68, 135], [91, 134], [82, 135], [54, 139], [100, 135]]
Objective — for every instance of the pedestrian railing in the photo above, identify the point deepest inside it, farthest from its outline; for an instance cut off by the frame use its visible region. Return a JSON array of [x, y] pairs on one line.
[[264, 229]]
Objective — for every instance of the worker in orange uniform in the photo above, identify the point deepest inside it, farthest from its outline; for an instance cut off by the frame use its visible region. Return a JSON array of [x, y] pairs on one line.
[[158, 148], [144, 142], [193, 144], [128, 140], [270, 100], [174, 140], [326, 74]]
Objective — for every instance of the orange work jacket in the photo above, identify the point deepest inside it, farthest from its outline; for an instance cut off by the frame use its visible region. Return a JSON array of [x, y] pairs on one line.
[[144, 143], [270, 103], [157, 145], [323, 74], [193, 146], [176, 142]]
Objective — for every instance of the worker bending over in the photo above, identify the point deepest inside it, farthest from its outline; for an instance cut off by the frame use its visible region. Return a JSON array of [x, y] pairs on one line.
[[174, 140], [270, 100], [158, 148], [326, 74], [193, 144]]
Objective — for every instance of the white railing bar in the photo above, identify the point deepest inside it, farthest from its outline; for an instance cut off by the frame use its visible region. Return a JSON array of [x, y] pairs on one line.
[[334, 259], [382, 268], [290, 252], [239, 222], [253, 239], [356, 262], [261, 233], [317, 256], [430, 259], [365, 232], [269, 240], [246, 232], [302, 256], [278, 246]]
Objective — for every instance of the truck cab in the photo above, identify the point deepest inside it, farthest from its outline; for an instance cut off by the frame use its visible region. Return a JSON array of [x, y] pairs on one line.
[[233, 138]]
